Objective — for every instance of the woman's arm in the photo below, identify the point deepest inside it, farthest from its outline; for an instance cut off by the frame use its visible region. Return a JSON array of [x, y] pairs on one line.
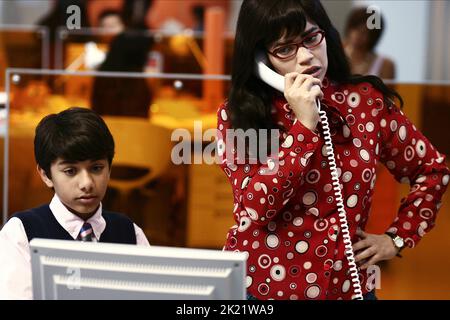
[[259, 192], [412, 159]]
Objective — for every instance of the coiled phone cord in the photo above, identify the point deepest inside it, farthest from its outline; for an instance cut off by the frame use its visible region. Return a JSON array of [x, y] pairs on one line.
[[340, 203]]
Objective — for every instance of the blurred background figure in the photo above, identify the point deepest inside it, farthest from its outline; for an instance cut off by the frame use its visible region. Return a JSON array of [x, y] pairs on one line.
[[124, 96], [134, 13], [111, 21], [198, 12], [57, 17], [360, 43]]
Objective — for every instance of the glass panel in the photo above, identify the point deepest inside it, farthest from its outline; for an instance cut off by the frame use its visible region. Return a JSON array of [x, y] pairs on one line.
[[162, 102], [16, 44]]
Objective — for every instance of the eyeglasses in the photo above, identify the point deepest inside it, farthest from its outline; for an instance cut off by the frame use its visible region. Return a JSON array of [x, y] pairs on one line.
[[289, 50]]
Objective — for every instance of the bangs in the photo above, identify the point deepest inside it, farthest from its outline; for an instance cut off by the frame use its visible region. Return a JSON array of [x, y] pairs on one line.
[[80, 141], [82, 148], [283, 21]]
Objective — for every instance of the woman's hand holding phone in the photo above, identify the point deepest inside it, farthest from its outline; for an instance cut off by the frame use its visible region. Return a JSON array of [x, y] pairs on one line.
[[301, 92]]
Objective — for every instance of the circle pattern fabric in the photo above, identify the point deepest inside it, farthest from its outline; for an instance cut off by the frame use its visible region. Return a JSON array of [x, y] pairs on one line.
[[287, 222]]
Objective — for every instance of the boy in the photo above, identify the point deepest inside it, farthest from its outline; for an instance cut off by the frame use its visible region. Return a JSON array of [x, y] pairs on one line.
[[74, 151]]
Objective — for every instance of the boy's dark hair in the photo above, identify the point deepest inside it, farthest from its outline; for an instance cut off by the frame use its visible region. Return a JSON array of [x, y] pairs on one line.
[[75, 134]]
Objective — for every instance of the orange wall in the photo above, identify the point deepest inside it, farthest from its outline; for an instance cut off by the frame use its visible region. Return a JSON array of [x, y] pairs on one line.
[[160, 11]]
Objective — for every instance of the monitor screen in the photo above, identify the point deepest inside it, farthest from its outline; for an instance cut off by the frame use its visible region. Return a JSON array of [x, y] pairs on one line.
[[86, 270]]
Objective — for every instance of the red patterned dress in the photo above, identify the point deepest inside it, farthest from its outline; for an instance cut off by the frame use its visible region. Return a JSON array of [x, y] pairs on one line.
[[288, 224]]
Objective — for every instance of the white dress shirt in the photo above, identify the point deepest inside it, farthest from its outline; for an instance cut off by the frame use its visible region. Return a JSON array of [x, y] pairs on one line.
[[15, 259]]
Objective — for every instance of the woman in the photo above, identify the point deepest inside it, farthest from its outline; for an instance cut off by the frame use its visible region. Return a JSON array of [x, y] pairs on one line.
[[288, 222], [360, 43]]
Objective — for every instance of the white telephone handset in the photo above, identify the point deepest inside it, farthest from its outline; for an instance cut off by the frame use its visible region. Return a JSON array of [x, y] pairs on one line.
[[276, 81], [273, 79]]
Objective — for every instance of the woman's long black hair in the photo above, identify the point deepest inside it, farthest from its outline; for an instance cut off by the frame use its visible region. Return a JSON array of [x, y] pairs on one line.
[[260, 23]]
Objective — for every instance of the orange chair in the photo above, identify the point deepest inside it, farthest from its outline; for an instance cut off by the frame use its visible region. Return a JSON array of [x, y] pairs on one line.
[[141, 146]]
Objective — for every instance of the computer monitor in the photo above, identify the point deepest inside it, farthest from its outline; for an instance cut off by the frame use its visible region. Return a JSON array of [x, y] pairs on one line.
[[86, 270]]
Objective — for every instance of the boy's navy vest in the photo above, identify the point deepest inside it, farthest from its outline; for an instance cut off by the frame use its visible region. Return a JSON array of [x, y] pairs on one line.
[[41, 223]]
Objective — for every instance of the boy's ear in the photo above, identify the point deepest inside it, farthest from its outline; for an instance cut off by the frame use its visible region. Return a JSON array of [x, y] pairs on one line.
[[44, 177]]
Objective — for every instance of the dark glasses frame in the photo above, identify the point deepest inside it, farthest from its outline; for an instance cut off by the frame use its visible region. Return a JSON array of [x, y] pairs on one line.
[[321, 33]]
